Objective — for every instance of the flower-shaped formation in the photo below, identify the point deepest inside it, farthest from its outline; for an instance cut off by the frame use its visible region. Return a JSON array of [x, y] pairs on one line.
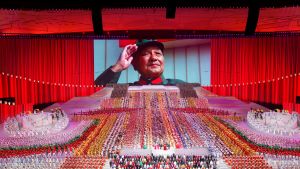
[[149, 121]]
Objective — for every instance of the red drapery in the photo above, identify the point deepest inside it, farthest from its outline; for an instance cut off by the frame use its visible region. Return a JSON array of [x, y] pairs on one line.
[[54, 60], [292, 107], [9, 110], [237, 63], [46, 70]]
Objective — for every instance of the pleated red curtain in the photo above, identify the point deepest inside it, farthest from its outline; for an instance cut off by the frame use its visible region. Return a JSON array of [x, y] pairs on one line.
[[53, 60], [45, 70], [263, 69]]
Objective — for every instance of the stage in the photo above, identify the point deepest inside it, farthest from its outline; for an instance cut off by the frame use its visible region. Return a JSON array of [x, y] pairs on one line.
[[152, 121]]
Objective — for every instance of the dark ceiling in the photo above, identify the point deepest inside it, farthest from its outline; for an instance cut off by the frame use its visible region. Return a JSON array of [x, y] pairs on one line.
[[89, 4], [156, 18]]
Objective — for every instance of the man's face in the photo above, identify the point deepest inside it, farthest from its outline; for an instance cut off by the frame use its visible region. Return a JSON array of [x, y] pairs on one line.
[[150, 62]]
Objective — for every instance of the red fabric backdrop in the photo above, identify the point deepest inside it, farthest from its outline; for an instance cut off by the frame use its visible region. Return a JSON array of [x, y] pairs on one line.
[[55, 70], [261, 60]]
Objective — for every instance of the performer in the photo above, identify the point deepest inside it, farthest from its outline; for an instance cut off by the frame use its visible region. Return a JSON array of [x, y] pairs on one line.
[[146, 57]]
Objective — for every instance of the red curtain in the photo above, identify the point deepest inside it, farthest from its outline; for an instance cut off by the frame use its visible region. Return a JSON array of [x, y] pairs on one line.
[[255, 69], [292, 107], [46, 70], [51, 60], [10, 110]]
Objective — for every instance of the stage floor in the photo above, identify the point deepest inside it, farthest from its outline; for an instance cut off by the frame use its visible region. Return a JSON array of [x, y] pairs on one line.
[[153, 121]]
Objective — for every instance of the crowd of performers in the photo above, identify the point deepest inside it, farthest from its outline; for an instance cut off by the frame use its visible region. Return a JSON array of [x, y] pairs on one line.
[[170, 161]]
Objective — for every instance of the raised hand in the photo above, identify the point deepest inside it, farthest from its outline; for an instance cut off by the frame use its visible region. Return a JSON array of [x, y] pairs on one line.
[[125, 58]]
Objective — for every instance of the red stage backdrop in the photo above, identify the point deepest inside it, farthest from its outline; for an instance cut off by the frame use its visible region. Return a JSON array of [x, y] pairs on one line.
[[239, 62], [55, 69]]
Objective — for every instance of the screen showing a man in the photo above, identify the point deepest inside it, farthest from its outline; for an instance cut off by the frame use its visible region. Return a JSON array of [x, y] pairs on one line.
[[147, 57]]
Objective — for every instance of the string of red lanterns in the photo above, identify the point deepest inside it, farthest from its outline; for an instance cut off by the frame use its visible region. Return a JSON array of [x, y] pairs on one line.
[[216, 85], [257, 82], [49, 83]]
